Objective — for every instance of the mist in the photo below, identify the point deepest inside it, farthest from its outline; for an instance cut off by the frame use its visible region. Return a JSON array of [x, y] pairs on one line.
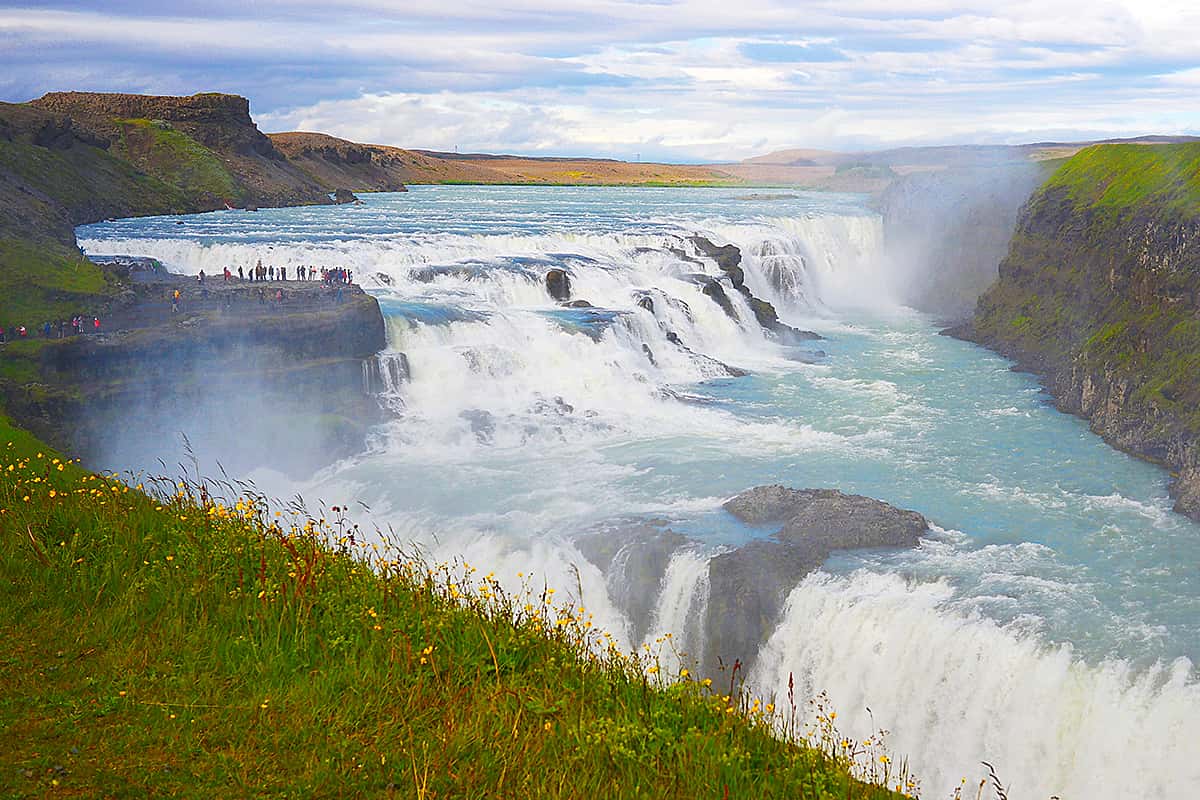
[[235, 404], [946, 232]]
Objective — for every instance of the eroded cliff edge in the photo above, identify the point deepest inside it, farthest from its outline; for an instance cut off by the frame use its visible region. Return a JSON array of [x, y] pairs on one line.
[[274, 380], [1099, 295]]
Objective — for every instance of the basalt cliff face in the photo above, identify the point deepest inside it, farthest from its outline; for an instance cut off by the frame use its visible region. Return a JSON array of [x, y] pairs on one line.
[[1100, 296]]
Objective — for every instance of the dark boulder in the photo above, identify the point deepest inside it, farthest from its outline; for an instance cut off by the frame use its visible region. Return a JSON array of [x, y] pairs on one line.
[[750, 585], [558, 284], [827, 519], [764, 504], [344, 196], [579, 304]]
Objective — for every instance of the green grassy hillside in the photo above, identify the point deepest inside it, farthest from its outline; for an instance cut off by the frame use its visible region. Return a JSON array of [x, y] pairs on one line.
[[177, 645], [1123, 177], [177, 159]]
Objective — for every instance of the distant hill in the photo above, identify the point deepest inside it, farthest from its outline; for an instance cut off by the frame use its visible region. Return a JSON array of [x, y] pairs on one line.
[[860, 171], [798, 157], [335, 159]]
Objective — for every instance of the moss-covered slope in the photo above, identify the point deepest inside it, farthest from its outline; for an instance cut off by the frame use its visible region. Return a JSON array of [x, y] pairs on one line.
[[1100, 294]]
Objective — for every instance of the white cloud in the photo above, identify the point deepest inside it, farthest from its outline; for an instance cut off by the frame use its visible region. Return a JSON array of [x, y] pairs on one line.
[[676, 79]]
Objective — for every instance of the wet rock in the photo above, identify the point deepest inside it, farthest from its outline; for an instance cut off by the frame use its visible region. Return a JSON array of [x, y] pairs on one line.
[[827, 518], [709, 366], [1187, 492], [712, 289], [727, 257], [556, 406], [558, 284], [344, 196], [384, 278], [579, 304], [633, 556], [768, 319], [649, 354], [747, 590], [684, 256], [647, 302], [750, 585], [429, 274]]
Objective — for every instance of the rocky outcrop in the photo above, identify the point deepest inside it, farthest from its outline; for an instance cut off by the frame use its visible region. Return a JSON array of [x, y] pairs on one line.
[[748, 586], [712, 289], [558, 284], [345, 196], [728, 259], [217, 121], [250, 381], [1097, 295], [633, 555]]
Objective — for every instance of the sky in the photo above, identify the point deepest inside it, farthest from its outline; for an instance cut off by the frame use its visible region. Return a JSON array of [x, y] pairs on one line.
[[677, 80]]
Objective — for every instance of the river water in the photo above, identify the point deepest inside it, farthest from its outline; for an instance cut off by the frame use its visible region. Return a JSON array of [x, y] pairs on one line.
[[1051, 623]]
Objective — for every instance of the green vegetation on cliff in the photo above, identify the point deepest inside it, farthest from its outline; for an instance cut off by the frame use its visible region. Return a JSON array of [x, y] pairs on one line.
[[1123, 177], [174, 644], [46, 281], [176, 159]]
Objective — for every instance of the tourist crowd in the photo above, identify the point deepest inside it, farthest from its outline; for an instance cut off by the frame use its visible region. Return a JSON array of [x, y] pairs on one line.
[[259, 273], [75, 326]]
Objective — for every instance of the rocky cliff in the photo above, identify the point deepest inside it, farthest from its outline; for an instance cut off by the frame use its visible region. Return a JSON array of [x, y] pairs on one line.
[[277, 383], [249, 379], [1099, 294]]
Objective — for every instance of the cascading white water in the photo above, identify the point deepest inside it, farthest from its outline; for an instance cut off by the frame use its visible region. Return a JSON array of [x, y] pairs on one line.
[[523, 423], [956, 690], [680, 610]]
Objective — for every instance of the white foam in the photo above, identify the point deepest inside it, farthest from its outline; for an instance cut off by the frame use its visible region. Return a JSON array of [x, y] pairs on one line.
[[956, 690]]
